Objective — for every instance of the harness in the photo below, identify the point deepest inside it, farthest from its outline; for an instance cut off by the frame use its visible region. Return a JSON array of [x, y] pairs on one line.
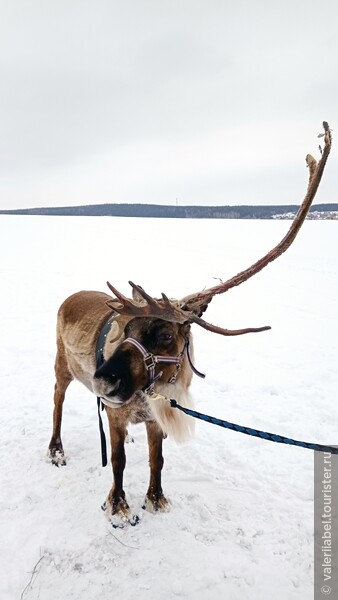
[[150, 359]]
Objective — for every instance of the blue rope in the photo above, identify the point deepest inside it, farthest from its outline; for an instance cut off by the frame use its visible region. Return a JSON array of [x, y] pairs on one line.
[[272, 437]]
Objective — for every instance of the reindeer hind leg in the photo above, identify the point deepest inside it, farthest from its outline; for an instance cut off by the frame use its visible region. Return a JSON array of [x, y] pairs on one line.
[[63, 379]]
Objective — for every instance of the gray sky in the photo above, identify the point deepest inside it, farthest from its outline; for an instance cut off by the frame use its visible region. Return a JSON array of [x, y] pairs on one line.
[[206, 102]]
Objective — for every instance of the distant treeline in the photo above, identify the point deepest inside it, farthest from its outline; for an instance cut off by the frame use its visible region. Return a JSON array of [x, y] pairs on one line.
[[172, 212]]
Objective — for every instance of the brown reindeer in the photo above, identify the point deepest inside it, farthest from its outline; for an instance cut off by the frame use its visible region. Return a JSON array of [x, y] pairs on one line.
[[147, 346]]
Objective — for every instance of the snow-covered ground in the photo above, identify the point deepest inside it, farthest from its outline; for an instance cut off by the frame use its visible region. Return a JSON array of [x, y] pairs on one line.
[[241, 523]]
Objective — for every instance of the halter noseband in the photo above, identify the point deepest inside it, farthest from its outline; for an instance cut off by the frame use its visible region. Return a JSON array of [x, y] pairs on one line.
[[150, 360]]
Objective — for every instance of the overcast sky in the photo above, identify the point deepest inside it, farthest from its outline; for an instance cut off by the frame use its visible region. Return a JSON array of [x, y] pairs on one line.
[[165, 101]]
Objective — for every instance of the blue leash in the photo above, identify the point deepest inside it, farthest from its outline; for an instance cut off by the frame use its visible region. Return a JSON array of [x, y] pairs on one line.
[[272, 437]]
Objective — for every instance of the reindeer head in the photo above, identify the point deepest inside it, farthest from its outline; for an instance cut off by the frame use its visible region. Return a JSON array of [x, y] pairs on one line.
[[160, 327], [150, 349]]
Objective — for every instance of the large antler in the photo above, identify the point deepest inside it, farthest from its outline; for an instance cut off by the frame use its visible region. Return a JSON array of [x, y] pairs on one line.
[[166, 310], [193, 306], [199, 301], [163, 309]]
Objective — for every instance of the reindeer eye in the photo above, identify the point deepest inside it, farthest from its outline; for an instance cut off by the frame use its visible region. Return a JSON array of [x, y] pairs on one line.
[[166, 337]]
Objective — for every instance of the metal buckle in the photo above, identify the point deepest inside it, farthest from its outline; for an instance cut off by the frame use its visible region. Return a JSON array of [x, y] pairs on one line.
[[174, 376], [149, 362]]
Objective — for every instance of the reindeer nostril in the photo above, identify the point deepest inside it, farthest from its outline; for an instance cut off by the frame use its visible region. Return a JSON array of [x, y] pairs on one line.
[[115, 382]]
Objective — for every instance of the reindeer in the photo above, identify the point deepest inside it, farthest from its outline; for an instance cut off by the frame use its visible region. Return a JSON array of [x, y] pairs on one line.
[[144, 346]]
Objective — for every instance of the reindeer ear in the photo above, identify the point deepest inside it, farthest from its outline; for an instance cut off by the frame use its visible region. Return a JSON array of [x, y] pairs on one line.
[[185, 329], [112, 304], [137, 296], [196, 305]]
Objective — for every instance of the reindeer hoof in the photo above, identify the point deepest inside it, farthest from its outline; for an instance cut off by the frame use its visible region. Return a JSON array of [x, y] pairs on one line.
[[119, 520], [153, 504], [134, 520], [57, 457]]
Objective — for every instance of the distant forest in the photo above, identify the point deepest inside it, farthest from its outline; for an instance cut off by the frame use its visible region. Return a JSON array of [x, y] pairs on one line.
[[172, 212]]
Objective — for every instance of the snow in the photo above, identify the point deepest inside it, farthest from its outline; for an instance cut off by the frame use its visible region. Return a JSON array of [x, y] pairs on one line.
[[241, 519]]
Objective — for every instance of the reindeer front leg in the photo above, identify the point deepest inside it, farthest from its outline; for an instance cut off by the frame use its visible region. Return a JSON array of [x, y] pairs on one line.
[[116, 502], [155, 500]]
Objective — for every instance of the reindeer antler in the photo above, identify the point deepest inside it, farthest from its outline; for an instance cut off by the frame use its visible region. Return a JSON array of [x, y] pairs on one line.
[[191, 307], [166, 310], [199, 301], [163, 309]]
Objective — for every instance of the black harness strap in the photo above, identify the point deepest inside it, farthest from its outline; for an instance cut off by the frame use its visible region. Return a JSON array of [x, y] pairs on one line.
[[102, 433], [100, 407], [192, 366]]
